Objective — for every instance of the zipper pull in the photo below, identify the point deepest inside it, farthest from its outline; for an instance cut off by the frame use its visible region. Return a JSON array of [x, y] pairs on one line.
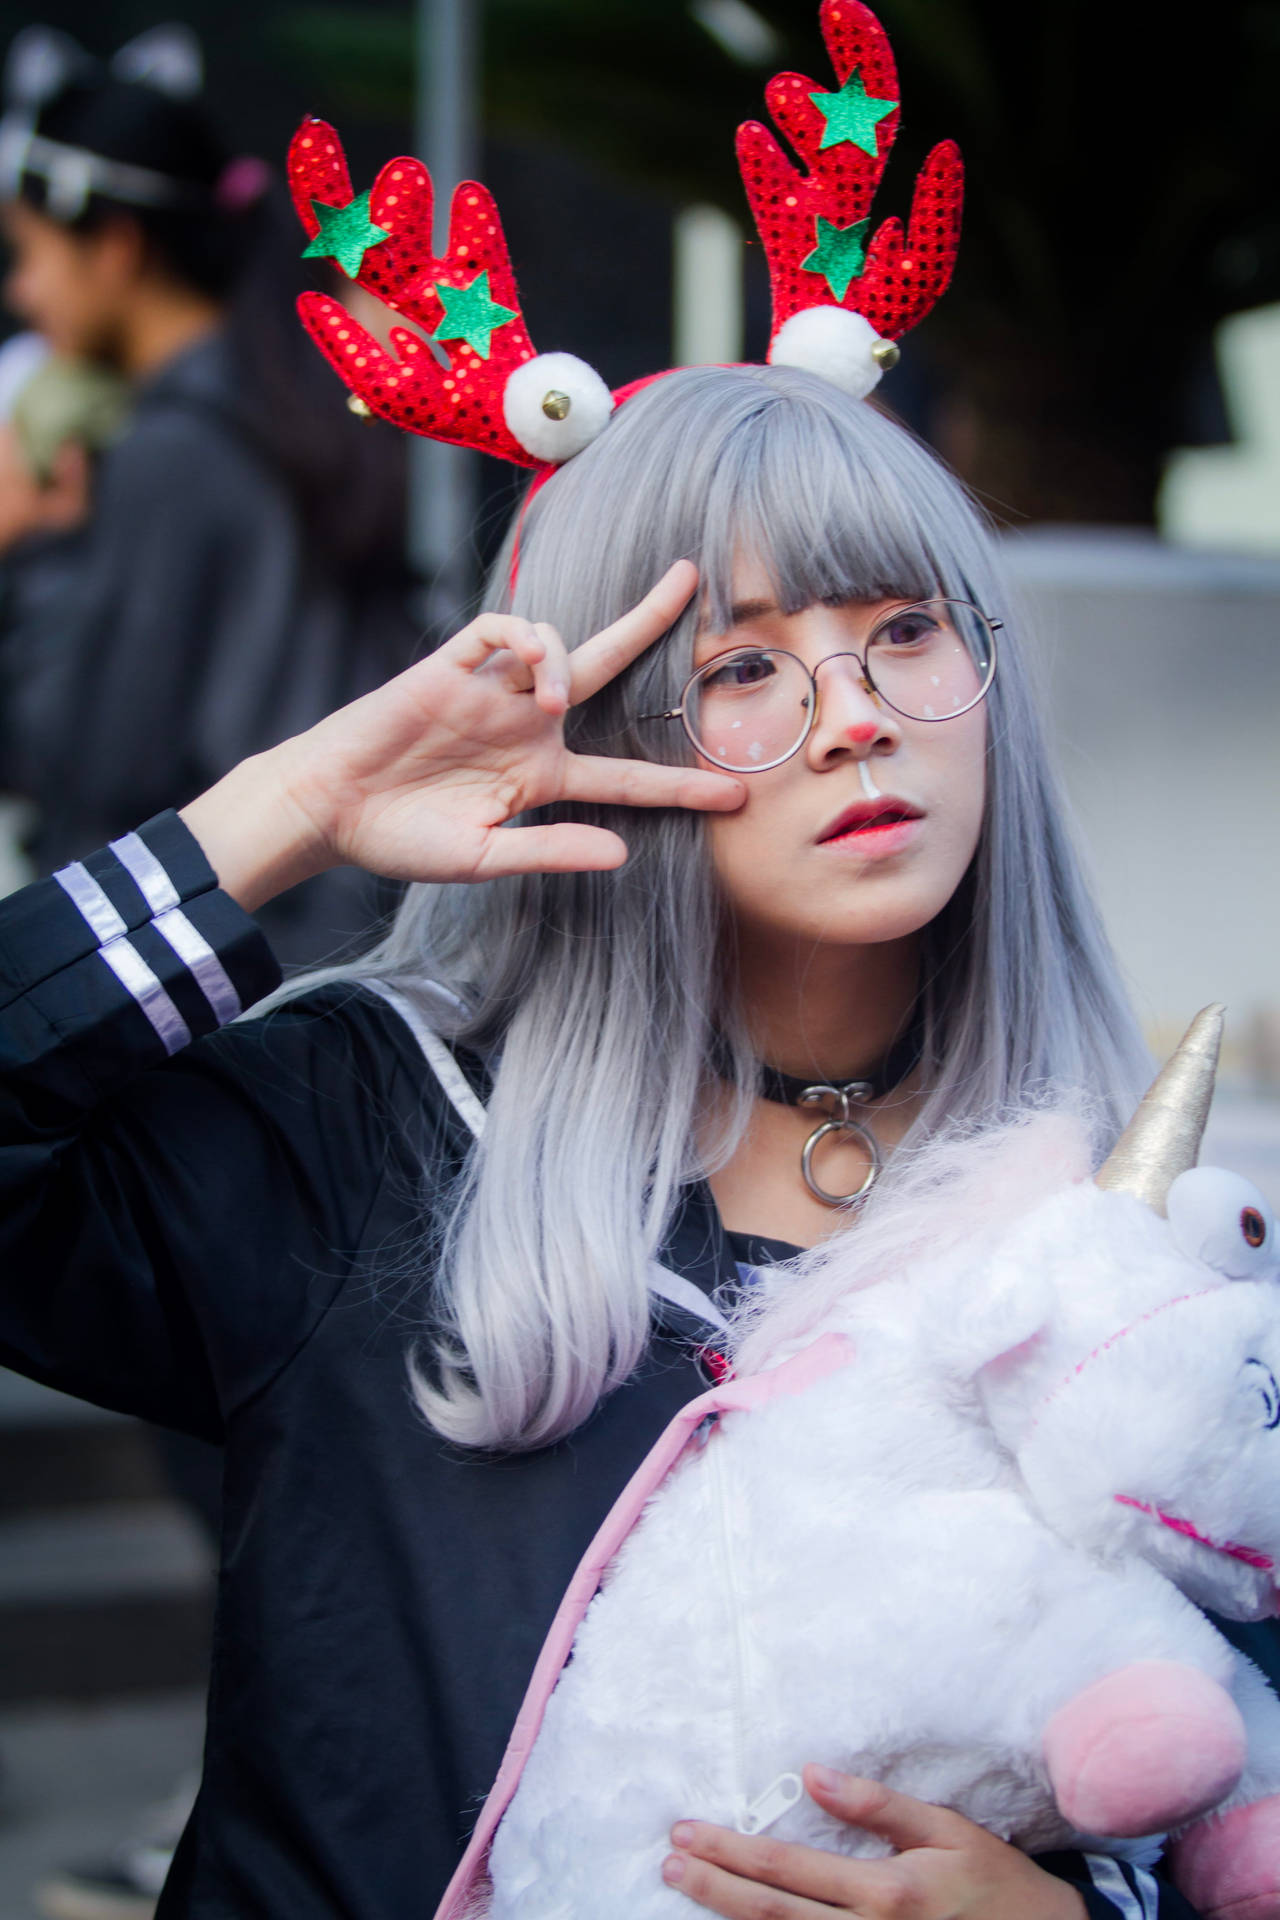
[[771, 1804]]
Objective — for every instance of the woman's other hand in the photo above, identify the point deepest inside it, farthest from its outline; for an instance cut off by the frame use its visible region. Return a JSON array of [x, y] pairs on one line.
[[417, 780], [945, 1868]]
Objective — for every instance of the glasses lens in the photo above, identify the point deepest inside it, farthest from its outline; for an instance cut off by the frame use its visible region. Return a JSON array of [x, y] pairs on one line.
[[933, 660], [749, 709]]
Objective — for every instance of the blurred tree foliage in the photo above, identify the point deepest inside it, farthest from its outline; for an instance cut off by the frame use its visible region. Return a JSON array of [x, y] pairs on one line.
[[1123, 189]]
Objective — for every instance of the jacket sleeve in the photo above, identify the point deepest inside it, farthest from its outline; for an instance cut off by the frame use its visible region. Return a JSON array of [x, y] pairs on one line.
[[1114, 1890], [174, 1217]]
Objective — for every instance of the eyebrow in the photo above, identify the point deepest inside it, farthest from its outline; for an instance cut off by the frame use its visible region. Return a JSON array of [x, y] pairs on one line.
[[742, 612]]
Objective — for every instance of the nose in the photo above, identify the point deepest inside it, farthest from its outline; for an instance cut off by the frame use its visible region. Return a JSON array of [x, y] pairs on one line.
[[851, 718]]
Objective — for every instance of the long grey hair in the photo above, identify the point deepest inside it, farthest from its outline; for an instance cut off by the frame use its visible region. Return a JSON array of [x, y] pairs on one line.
[[597, 996]]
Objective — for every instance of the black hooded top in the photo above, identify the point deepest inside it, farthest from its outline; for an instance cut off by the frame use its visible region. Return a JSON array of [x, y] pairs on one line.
[[227, 1232]]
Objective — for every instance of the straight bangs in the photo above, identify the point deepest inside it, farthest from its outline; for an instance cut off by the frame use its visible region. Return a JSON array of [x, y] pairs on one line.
[[794, 491], [835, 500]]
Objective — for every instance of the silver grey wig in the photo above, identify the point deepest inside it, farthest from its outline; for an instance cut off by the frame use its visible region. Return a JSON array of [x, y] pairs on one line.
[[596, 995]]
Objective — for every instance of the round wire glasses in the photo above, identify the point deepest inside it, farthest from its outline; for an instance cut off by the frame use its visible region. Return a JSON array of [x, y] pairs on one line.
[[752, 708]]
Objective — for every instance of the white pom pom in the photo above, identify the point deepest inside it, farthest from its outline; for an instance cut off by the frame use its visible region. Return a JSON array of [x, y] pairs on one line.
[[555, 405], [835, 343]]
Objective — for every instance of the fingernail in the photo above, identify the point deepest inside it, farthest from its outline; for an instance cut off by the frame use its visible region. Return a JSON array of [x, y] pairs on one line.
[[673, 1869], [827, 1779], [682, 1834]]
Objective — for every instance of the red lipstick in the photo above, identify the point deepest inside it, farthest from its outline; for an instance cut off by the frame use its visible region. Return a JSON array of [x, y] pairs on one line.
[[872, 821]]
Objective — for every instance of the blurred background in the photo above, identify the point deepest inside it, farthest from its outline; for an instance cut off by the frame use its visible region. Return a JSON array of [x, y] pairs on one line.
[[1105, 374]]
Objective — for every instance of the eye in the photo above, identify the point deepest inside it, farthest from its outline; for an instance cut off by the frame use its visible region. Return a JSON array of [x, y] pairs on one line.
[[1260, 1380], [1222, 1219], [909, 629], [741, 671]]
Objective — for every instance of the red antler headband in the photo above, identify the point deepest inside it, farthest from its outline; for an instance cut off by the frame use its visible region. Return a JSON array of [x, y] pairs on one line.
[[840, 298]]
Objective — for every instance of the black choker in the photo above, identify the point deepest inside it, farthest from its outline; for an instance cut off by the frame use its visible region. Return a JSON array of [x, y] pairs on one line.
[[836, 1099], [789, 1089]]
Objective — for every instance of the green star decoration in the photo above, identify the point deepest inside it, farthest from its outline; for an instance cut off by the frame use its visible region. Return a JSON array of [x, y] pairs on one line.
[[852, 114], [471, 314], [346, 234], [840, 254]]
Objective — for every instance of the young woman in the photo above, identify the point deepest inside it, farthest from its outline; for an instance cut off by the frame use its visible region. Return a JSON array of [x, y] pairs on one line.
[[434, 1359]]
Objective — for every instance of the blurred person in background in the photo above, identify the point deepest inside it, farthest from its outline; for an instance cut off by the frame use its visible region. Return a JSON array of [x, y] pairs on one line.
[[188, 584], [229, 569]]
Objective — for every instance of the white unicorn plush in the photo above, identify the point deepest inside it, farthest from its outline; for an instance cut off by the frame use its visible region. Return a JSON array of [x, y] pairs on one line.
[[947, 1531]]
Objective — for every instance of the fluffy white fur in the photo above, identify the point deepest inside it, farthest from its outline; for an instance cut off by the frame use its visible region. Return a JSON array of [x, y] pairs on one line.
[[590, 404], [908, 1569], [831, 341]]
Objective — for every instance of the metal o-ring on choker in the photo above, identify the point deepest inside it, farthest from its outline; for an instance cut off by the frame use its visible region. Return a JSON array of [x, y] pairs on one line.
[[790, 1091], [842, 1122]]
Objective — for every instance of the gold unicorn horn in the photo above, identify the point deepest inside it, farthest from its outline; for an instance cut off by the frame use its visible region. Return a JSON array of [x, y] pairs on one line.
[[1163, 1138]]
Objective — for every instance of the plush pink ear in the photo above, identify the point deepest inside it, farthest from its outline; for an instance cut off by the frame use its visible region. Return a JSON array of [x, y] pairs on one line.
[[1005, 1365]]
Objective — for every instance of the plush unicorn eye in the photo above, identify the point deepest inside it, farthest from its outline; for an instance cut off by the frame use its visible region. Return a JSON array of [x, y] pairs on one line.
[[1260, 1380], [1222, 1219]]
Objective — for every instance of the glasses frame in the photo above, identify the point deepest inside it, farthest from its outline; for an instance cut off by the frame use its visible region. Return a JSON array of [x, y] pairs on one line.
[[877, 693]]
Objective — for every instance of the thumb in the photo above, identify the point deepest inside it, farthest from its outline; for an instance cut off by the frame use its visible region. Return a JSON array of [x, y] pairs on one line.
[[905, 1823]]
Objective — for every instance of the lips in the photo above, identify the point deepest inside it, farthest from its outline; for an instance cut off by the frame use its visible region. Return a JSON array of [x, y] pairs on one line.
[[866, 815]]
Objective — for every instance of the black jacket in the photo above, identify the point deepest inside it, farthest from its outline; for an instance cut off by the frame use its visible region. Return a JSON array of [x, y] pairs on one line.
[[230, 1241]]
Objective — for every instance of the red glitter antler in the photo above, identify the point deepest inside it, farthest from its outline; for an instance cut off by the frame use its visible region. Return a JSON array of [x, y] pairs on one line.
[[815, 226], [841, 295], [466, 300]]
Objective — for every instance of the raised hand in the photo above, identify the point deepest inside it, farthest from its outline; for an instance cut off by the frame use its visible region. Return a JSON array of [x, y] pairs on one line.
[[417, 780], [945, 1867]]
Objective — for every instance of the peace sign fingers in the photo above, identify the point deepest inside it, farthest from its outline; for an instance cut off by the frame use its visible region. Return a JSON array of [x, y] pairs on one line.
[[602, 658], [532, 654], [648, 783]]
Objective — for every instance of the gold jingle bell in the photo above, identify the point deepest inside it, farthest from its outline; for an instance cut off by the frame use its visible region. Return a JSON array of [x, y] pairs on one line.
[[556, 405], [886, 354], [361, 408]]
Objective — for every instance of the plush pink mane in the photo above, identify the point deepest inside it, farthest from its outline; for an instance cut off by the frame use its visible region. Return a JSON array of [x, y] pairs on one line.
[[945, 1197]]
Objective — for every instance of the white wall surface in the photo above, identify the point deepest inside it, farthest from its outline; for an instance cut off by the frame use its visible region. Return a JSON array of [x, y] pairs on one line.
[[1229, 497], [1162, 673]]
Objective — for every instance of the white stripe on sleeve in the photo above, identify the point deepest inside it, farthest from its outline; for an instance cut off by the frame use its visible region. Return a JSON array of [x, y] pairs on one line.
[[136, 977], [1141, 1901], [171, 923], [80, 886], [146, 872], [199, 957], [1148, 1891]]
